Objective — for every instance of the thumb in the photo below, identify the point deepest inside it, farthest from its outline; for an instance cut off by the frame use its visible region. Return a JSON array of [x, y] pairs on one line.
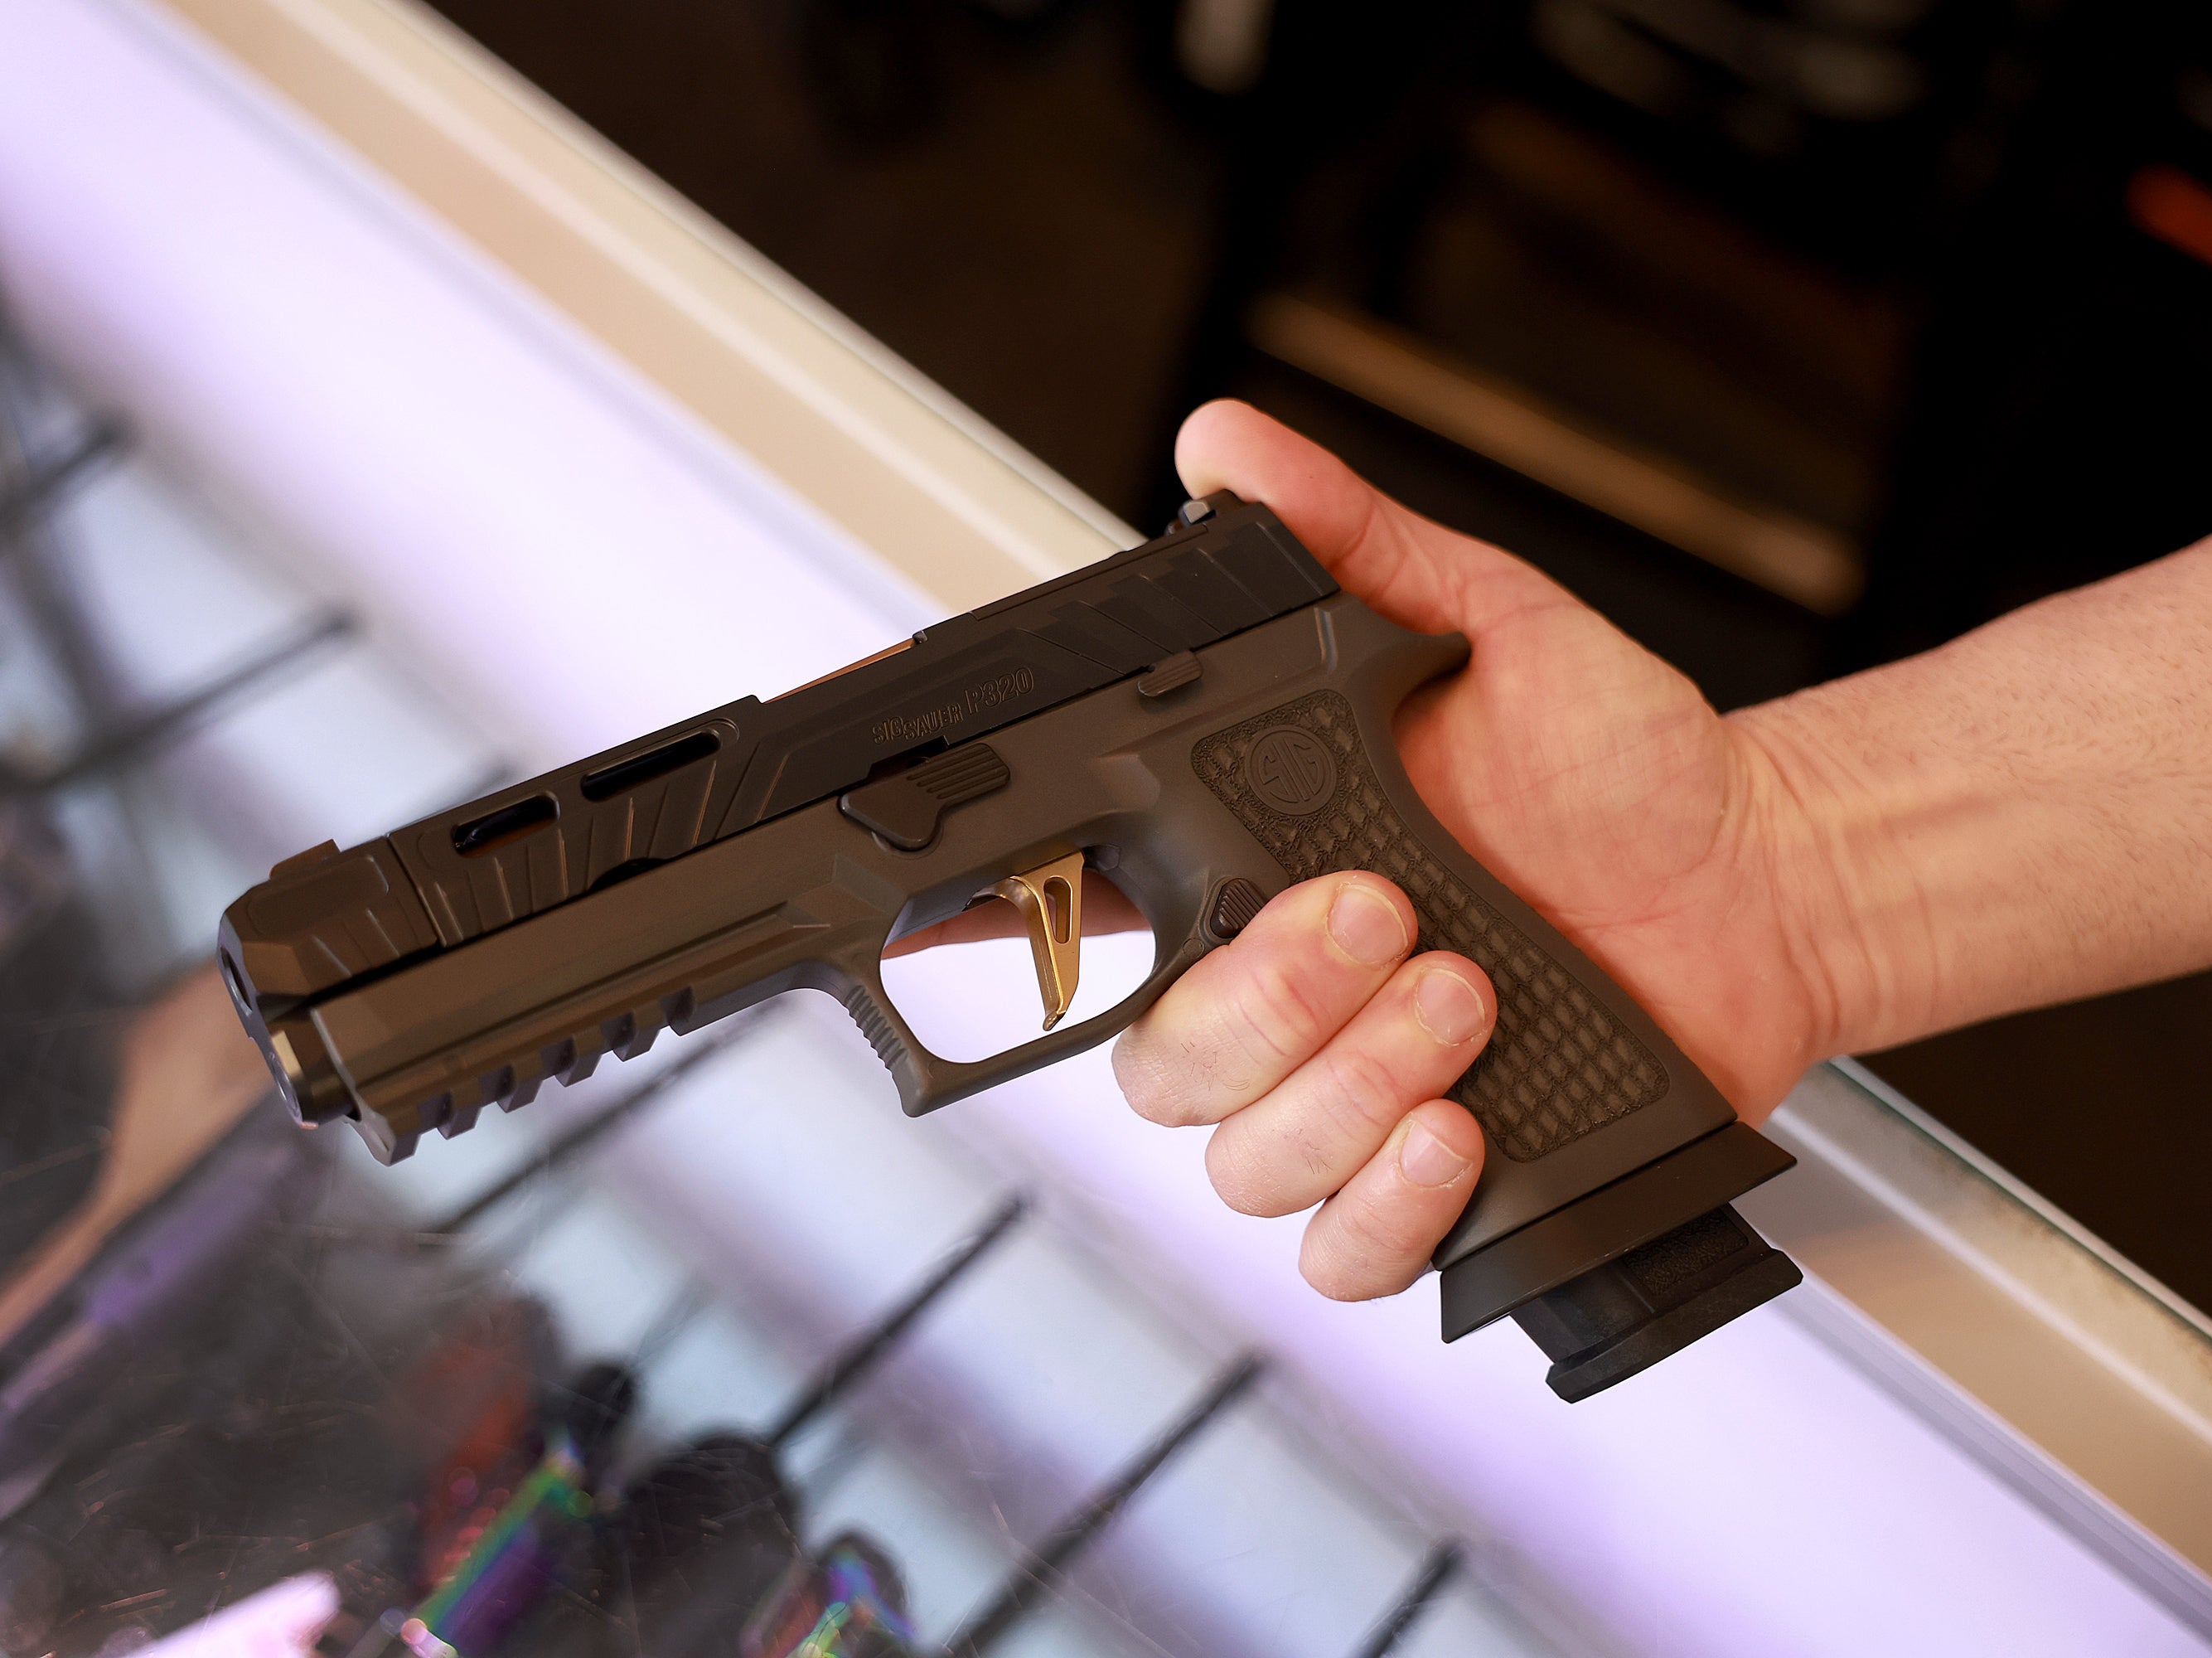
[[1415, 572]]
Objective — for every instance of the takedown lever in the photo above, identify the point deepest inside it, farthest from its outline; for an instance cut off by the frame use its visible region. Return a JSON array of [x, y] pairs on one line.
[[1050, 898]]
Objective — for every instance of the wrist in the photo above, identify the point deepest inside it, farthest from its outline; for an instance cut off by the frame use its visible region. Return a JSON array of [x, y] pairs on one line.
[[1858, 953]]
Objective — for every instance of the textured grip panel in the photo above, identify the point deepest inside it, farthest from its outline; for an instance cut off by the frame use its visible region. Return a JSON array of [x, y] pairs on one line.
[[1561, 1064]]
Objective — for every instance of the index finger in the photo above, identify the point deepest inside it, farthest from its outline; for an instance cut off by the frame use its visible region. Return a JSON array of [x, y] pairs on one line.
[[1255, 1010]]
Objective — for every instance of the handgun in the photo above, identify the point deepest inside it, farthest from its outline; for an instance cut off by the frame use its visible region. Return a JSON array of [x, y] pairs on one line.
[[1203, 721]]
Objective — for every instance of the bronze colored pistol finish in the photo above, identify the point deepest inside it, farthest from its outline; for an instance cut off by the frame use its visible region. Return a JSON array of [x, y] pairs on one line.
[[1204, 719]]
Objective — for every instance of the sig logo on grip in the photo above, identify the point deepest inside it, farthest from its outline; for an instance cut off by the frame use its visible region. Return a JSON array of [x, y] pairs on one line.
[[1289, 770]]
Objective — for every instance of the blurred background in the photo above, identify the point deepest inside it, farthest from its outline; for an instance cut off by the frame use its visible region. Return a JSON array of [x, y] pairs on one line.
[[1794, 337]]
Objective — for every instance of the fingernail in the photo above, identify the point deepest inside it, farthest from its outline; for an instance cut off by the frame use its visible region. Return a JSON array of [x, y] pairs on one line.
[[1366, 927], [1450, 1008], [1427, 1161]]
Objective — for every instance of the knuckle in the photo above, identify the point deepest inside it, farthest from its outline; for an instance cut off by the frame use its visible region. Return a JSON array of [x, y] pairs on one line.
[[1365, 1248], [1323, 1270], [1238, 1181], [1145, 1082], [1277, 1017], [1342, 1269], [1358, 1090]]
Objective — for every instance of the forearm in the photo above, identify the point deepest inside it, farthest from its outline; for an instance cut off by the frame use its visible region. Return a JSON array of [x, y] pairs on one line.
[[2021, 817]]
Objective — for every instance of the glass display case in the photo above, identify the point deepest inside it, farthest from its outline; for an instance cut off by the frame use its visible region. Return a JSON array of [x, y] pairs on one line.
[[370, 435]]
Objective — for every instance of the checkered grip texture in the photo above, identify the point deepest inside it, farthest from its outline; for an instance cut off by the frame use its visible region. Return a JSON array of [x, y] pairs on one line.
[[1559, 1064]]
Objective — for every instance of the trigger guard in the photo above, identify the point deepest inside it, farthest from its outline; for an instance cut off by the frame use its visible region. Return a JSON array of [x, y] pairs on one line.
[[927, 1081]]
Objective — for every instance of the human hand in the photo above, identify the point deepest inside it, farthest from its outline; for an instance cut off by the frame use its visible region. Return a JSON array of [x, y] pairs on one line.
[[1586, 774]]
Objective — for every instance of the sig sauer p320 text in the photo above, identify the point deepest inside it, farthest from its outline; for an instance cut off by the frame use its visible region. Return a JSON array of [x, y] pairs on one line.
[[1205, 720]]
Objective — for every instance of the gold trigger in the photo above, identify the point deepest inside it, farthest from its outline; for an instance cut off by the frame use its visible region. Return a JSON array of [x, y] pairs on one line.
[[1050, 898]]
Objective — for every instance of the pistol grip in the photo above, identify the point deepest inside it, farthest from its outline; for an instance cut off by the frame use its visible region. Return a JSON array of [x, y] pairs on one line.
[[1579, 1092]]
